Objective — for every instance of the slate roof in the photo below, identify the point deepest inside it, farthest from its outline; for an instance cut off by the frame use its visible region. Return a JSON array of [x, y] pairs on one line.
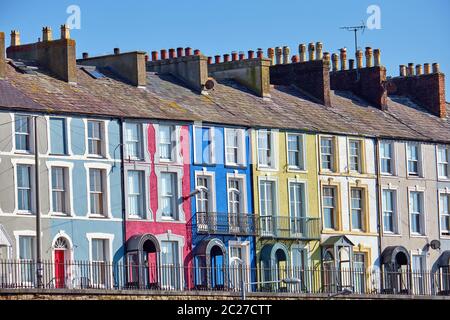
[[227, 103]]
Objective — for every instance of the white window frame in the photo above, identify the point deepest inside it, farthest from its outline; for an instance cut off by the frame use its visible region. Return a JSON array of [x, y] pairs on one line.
[[422, 213], [110, 241], [392, 158], [245, 247], [212, 150], [179, 172], [143, 187], [240, 148], [419, 160], [67, 141], [243, 192], [211, 191], [140, 142], [359, 156], [272, 159], [301, 152], [362, 209], [173, 142], [395, 213], [169, 236], [103, 140], [30, 133], [440, 163], [333, 154], [335, 207], [30, 162], [17, 235], [106, 189], [68, 167], [443, 192]]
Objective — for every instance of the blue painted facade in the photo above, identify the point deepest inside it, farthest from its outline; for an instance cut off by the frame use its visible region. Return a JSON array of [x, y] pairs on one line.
[[79, 228], [209, 160]]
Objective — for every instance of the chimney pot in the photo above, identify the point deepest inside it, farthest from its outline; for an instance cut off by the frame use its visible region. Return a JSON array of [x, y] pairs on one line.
[[410, 69], [286, 54], [436, 68], [311, 50], [179, 52], [217, 59], [259, 53], [351, 64], [278, 54], [319, 54], [302, 52], [335, 61], [271, 55], [369, 55], [65, 31], [241, 55], [171, 53], [377, 57], [116, 51], [146, 57], [402, 70], [294, 59], [234, 56], [154, 55], [251, 54], [418, 69], [47, 34], [15, 38], [187, 51], [163, 54], [326, 56], [427, 68], [359, 59], [209, 60], [85, 55], [343, 58], [226, 57], [196, 52]]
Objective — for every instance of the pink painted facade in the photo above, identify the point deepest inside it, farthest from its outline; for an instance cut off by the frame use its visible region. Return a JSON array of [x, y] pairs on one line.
[[152, 221]]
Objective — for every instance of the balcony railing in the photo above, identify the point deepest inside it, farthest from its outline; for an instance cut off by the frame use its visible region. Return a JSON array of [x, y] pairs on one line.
[[284, 227], [225, 223], [88, 275]]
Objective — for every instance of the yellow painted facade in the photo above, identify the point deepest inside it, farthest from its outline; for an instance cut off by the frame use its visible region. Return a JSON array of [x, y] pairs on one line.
[[281, 174]]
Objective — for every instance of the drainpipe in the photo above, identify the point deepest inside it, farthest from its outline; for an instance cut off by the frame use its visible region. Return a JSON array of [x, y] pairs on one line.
[[378, 203], [122, 185], [38, 206]]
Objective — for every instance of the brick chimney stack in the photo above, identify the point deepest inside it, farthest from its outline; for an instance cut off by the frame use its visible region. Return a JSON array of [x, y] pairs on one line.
[[426, 89], [47, 34], [65, 31], [302, 52], [15, 38], [57, 56]]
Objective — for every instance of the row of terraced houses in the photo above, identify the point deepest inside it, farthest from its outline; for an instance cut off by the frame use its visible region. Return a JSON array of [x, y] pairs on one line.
[[260, 171]]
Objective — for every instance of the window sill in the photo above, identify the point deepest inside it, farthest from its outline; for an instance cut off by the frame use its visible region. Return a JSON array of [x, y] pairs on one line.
[[235, 165], [23, 152], [95, 156], [97, 216], [445, 179], [296, 170], [391, 234], [24, 213], [59, 214], [416, 235]]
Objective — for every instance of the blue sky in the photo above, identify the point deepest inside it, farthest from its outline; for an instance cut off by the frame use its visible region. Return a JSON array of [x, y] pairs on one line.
[[411, 30]]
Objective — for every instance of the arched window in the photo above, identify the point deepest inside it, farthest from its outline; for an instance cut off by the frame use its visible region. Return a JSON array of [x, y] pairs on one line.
[[61, 244]]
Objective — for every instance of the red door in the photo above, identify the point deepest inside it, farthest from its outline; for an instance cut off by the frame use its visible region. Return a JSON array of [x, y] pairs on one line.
[[60, 273]]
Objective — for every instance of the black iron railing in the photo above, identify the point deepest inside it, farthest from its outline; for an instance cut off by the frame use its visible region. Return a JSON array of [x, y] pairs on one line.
[[285, 227], [18, 274], [226, 223]]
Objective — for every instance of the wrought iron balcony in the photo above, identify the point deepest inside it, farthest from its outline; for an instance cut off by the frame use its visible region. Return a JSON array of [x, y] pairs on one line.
[[289, 227], [225, 223]]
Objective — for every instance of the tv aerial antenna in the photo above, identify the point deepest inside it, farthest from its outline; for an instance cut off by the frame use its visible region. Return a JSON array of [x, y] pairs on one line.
[[355, 29]]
